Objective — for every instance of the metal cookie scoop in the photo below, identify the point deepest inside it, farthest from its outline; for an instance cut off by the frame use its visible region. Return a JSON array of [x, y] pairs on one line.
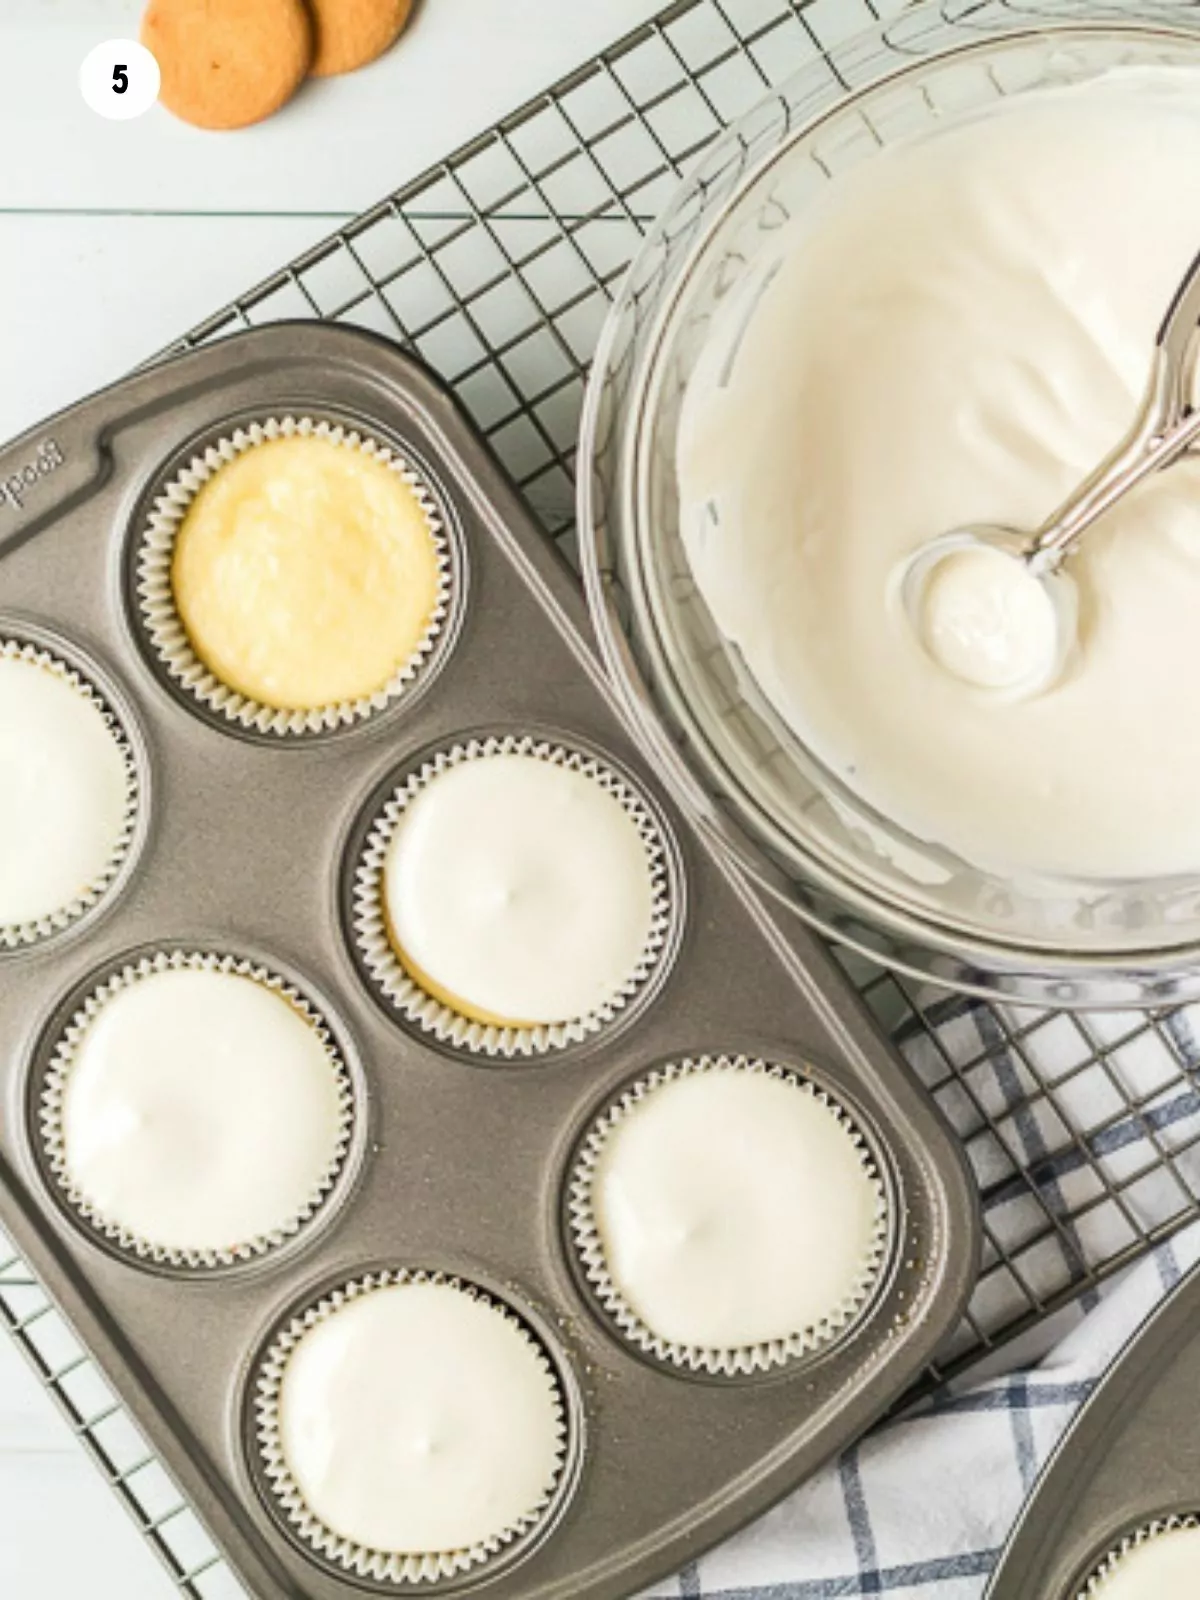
[[994, 606]]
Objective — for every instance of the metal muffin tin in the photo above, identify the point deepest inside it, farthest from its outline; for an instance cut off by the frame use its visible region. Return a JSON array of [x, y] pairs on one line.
[[458, 1163], [1130, 1459]]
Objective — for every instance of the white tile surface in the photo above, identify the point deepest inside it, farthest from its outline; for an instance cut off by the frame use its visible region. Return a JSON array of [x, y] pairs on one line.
[[338, 146], [113, 238], [62, 1532], [102, 260], [84, 298]]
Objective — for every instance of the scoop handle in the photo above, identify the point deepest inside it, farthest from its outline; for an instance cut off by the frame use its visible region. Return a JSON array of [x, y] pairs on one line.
[[1179, 345], [1168, 423]]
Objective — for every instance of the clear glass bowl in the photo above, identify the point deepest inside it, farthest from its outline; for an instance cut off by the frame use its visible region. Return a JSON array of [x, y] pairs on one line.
[[731, 760]]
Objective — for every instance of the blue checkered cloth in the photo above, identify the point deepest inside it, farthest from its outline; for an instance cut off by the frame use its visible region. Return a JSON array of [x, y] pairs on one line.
[[920, 1509]]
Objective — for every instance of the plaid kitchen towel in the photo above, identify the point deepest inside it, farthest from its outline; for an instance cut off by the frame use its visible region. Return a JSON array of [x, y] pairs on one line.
[[920, 1509]]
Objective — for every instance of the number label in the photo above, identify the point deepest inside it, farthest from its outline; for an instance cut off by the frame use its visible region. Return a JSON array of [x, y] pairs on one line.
[[119, 79]]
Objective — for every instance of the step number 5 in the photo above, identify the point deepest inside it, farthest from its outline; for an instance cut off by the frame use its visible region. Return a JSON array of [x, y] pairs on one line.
[[119, 79]]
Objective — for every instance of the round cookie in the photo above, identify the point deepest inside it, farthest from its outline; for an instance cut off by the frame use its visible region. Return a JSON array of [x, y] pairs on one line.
[[228, 63], [350, 33]]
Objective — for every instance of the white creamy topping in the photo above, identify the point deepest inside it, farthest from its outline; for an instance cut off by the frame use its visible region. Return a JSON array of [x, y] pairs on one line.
[[201, 1111], [521, 888], [987, 619], [734, 1208], [1165, 1567], [417, 1420], [957, 335], [63, 793]]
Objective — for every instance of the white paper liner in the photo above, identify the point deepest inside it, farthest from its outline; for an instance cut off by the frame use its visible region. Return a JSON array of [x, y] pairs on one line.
[[59, 1071], [431, 1015], [18, 935], [1152, 1530], [383, 1565], [746, 1359], [156, 594]]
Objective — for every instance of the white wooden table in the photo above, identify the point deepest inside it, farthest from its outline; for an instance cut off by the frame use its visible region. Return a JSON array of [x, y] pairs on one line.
[[114, 238]]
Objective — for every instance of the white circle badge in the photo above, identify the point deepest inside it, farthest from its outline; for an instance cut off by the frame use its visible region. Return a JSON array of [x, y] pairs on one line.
[[119, 79]]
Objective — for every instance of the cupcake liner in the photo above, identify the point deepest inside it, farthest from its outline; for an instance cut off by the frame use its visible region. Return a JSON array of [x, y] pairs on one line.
[[62, 1062], [19, 935], [165, 629], [381, 1565], [432, 1015], [746, 1359], [1143, 1535]]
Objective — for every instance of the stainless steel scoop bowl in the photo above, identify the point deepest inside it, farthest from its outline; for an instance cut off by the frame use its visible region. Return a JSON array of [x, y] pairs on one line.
[[1167, 424]]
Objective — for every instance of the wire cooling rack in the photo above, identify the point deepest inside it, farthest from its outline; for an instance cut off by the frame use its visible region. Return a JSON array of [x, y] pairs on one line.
[[497, 267]]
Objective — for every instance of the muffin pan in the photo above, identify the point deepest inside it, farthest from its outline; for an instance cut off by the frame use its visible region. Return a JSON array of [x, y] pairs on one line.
[[1127, 1469], [459, 1160]]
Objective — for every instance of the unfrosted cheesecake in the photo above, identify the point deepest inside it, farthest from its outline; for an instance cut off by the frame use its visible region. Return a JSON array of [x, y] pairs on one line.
[[306, 573]]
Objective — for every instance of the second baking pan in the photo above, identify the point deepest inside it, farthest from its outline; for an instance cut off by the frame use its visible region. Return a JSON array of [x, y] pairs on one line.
[[1129, 1464]]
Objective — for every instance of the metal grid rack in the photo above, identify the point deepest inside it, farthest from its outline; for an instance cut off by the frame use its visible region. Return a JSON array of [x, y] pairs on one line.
[[497, 267]]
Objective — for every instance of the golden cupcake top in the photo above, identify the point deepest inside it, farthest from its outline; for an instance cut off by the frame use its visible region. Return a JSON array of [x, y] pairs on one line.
[[306, 573]]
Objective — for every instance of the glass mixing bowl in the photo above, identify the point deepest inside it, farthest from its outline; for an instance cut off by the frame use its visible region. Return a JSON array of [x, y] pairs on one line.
[[734, 764]]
